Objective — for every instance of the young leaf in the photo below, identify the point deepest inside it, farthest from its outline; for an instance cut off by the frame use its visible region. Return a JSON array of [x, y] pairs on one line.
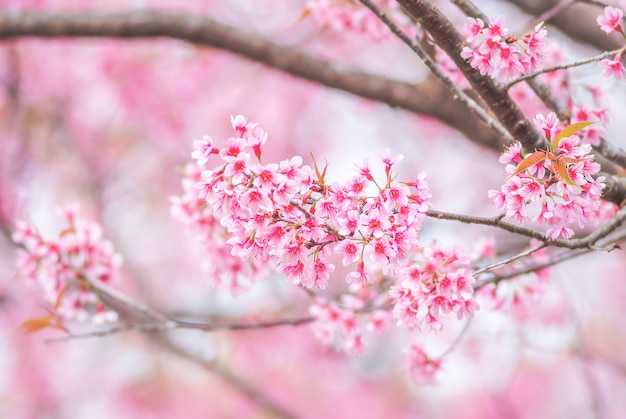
[[529, 160], [34, 325], [569, 131], [560, 169]]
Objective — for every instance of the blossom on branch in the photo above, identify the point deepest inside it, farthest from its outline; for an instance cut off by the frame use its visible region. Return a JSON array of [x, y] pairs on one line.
[[65, 266], [285, 214], [437, 283], [559, 181], [504, 57], [611, 19], [613, 68]]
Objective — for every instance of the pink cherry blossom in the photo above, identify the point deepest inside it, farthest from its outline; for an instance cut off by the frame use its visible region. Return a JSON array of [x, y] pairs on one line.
[[613, 68], [419, 366], [494, 52], [546, 123], [611, 19], [565, 198], [64, 266], [203, 149]]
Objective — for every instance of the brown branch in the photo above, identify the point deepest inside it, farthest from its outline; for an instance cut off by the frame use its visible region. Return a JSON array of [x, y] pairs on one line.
[[184, 325], [455, 90], [588, 241], [429, 98], [541, 90], [606, 149], [553, 260], [494, 95], [577, 21]]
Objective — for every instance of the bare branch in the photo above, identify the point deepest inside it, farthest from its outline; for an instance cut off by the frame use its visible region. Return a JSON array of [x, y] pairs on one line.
[[510, 259], [554, 260], [430, 98], [585, 242], [179, 324], [563, 66]]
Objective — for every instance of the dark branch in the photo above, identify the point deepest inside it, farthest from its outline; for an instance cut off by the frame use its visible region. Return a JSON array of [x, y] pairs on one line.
[[430, 98], [495, 96]]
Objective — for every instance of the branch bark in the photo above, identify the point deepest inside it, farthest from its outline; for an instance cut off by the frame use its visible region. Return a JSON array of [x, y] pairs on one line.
[[495, 96], [429, 98]]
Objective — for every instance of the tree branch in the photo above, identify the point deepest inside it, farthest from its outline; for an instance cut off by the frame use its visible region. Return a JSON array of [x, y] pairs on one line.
[[584, 242], [495, 96], [429, 98], [227, 376]]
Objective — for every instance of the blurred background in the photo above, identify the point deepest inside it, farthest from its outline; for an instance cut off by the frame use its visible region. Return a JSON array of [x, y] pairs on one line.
[[109, 125]]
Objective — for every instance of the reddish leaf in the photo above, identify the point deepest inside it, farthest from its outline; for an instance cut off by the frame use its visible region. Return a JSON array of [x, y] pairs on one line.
[[34, 325], [560, 169], [534, 158], [321, 176], [569, 131], [57, 303]]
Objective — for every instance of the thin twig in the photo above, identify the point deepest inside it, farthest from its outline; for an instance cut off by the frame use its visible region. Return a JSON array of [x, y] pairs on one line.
[[434, 68], [584, 242], [178, 324], [554, 260], [564, 66], [508, 260]]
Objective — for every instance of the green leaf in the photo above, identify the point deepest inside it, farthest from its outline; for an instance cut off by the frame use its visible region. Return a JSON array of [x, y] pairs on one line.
[[529, 160], [569, 131]]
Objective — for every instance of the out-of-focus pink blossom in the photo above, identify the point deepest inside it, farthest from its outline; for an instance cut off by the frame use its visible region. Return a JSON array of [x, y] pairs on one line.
[[611, 19], [419, 366], [613, 68]]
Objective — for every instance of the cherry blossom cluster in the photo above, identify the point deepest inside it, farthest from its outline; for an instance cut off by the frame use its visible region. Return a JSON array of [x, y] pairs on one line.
[[437, 283], [347, 15], [419, 366], [609, 21], [559, 181], [494, 51], [516, 294], [65, 266], [286, 213], [343, 323], [584, 113], [225, 271]]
